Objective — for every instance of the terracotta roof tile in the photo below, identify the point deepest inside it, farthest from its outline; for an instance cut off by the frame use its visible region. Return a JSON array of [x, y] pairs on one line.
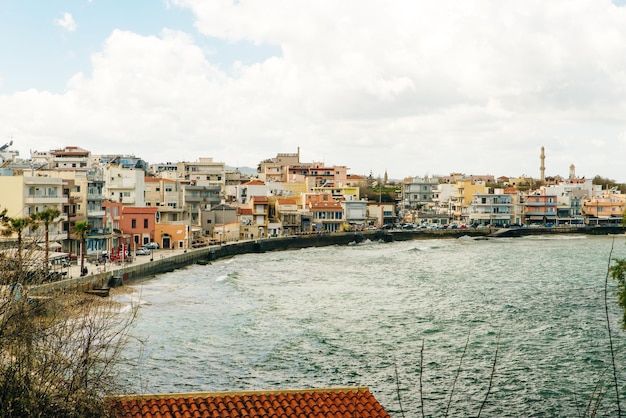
[[305, 403]]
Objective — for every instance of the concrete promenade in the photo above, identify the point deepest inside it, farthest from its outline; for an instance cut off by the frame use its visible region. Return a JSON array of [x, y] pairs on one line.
[[162, 261]]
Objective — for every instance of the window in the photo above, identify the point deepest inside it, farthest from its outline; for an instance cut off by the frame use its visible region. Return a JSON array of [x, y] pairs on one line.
[[145, 223], [133, 223]]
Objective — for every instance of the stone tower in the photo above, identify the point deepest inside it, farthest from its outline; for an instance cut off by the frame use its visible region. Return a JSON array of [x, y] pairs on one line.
[[542, 167], [572, 172]]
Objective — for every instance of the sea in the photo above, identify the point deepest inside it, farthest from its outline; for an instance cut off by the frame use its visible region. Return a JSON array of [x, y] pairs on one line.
[[504, 327]]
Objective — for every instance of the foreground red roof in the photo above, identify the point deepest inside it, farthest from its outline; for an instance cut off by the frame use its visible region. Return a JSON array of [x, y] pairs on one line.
[[303, 403]]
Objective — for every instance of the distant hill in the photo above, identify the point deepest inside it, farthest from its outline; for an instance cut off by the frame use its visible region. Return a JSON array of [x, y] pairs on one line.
[[248, 171]]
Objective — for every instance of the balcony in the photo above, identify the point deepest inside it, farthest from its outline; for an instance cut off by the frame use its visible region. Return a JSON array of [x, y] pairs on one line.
[[45, 199], [95, 196], [539, 204], [539, 213], [95, 213], [195, 199]]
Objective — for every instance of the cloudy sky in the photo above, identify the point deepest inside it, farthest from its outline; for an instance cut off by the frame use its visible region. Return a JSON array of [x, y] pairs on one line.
[[412, 87]]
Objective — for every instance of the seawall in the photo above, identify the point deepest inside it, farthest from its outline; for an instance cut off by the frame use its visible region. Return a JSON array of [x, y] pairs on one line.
[[135, 272]]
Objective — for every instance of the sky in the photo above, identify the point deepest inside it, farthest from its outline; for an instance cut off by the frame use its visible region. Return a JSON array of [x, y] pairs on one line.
[[409, 87]]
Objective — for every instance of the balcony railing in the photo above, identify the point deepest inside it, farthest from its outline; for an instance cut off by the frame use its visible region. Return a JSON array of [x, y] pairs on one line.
[[95, 196], [539, 213], [47, 199], [95, 213], [539, 204]]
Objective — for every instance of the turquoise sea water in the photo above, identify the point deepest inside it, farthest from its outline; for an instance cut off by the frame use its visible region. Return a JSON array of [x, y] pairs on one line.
[[360, 314]]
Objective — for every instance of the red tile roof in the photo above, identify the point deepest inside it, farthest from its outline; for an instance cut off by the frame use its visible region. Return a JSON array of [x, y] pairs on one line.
[[331, 204], [287, 201], [303, 403]]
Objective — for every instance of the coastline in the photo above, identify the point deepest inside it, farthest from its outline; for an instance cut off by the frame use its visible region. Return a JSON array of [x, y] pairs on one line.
[[163, 261]]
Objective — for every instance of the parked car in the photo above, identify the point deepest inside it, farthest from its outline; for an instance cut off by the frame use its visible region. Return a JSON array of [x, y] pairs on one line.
[[151, 246], [142, 251]]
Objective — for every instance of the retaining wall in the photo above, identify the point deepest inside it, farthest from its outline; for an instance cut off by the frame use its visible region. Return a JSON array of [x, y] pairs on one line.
[[135, 272]]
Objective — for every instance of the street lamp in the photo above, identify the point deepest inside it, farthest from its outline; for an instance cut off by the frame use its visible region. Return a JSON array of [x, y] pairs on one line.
[[223, 221]]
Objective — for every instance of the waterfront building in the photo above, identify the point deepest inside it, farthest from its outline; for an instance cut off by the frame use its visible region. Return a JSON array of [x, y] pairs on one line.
[[539, 207], [24, 196], [246, 221], [418, 193], [443, 200], [606, 209], [327, 215], [570, 194], [355, 213], [289, 215], [214, 222], [381, 213], [83, 184], [460, 201], [260, 214], [131, 226], [139, 223], [85, 191], [496, 209], [199, 197], [173, 235]]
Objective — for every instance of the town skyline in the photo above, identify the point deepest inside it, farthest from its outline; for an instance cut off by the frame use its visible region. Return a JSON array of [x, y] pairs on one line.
[[8, 151], [413, 88]]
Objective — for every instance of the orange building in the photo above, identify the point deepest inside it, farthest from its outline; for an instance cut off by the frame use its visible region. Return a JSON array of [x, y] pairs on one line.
[[136, 223], [540, 208], [172, 236]]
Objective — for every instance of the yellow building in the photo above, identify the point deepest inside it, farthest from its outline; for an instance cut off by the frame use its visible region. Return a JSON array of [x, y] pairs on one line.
[[24, 196], [461, 200]]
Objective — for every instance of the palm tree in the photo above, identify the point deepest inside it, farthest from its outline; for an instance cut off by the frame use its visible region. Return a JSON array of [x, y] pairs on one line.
[[46, 217], [82, 229], [17, 226]]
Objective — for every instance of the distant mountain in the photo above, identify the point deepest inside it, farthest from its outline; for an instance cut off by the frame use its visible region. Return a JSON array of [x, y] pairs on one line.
[[248, 171]]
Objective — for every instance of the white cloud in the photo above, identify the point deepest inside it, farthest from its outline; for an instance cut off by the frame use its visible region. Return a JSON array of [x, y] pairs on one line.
[[66, 22], [408, 86]]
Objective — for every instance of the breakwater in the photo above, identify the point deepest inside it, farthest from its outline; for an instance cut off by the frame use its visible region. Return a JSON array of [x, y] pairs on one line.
[[166, 263]]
